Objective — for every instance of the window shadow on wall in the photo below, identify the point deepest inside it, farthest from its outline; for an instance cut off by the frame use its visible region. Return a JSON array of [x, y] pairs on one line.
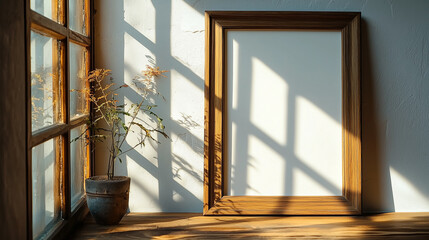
[[162, 169]]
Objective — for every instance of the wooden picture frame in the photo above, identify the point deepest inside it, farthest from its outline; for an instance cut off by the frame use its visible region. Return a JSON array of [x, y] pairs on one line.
[[216, 202]]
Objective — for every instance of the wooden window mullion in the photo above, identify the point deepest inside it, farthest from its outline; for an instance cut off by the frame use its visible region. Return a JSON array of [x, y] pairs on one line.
[[79, 38], [87, 17], [59, 156], [46, 25], [91, 154], [66, 162]]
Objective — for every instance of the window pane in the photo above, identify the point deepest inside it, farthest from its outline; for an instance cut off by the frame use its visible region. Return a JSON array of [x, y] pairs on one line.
[[78, 103], [49, 8], [78, 165], [45, 81], [45, 183], [77, 16]]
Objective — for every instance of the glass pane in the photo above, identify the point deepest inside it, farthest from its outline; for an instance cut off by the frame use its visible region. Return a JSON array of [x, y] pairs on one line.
[[78, 103], [45, 183], [49, 8], [45, 81], [77, 16], [78, 165]]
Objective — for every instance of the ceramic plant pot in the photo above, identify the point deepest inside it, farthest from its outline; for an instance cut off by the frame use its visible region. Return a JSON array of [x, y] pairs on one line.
[[107, 199]]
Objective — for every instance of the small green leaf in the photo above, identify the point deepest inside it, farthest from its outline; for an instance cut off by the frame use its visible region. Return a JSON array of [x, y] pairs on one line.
[[163, 134], [123, 112], [124, 126]]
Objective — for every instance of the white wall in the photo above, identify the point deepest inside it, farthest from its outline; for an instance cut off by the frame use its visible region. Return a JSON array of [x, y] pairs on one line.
[[395, 99]]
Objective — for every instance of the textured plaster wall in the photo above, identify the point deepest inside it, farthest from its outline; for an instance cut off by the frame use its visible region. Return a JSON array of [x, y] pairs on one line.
[[395, 95]]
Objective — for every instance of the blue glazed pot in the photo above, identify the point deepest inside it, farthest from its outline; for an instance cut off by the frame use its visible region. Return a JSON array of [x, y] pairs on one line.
[[107, 199]]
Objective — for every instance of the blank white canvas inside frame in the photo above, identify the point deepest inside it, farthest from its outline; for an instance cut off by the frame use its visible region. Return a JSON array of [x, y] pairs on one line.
[[284, 113]]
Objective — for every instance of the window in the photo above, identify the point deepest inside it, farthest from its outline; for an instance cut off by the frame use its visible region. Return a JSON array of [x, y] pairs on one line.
[[59, 45]]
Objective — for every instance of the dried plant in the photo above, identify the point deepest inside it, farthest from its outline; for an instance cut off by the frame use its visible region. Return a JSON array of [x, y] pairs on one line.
[[108, 121]]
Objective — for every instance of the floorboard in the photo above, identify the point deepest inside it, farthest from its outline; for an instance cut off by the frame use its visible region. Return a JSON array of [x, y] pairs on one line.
[[196, 226]]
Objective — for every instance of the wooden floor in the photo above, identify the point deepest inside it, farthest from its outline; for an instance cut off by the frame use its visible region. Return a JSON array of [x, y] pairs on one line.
[[195, 226]]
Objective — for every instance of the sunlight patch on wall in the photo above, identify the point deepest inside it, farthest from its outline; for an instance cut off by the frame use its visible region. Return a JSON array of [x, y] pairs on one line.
[[262, 173], [233, 92], [136, 57], [144, 185], [313, 186], [318, 144], [186, 29], [188, 19], [182, 107], [186, 150], [133, 12], [268, 89], [415, 200]]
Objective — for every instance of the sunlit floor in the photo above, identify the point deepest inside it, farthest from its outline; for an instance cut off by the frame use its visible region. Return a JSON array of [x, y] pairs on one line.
[[195, 226]]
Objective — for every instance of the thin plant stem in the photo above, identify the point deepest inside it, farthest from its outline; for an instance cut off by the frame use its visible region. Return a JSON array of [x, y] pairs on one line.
[[107, 111]]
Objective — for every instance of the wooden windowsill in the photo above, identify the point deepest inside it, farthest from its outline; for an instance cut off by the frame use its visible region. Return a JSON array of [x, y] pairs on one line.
[[194, 225]]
